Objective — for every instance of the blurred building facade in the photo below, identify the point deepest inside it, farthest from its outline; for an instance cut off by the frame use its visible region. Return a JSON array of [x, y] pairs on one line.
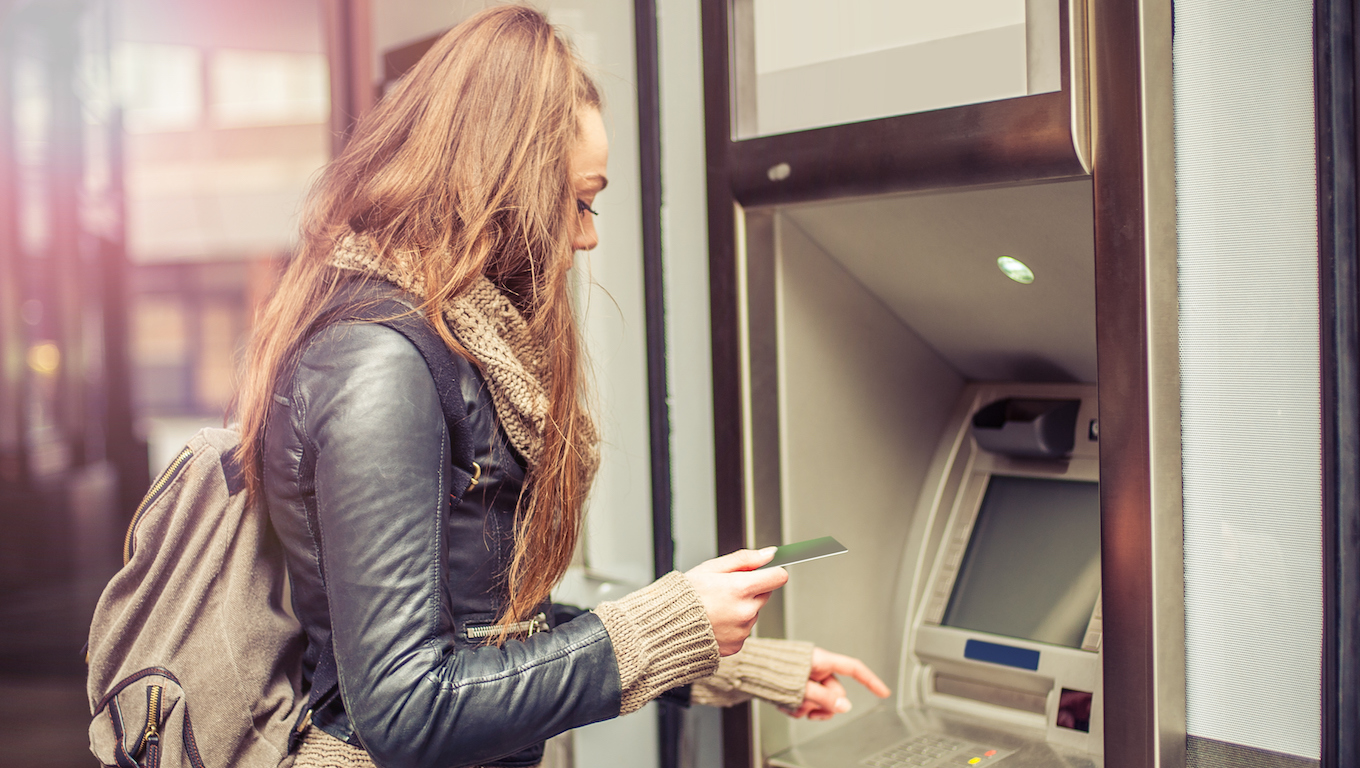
[[67, 444], [154, 156], [226, 113]]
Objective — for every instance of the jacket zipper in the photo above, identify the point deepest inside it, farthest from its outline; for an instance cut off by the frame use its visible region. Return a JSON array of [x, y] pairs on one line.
[[156, 489], [532, 627]]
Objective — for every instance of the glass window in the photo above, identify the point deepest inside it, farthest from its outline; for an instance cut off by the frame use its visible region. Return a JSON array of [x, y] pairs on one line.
[[806, 64], [161, 86], [227, 125], [268, 88]]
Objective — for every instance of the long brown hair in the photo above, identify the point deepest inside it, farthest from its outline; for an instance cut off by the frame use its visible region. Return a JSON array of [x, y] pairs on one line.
[[461, 170]]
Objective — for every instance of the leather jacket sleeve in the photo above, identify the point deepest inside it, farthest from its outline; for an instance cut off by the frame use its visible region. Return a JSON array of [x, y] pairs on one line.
[[365, 411]]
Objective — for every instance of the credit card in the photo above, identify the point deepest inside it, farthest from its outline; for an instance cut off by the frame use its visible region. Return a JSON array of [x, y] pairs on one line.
[[803, 551]]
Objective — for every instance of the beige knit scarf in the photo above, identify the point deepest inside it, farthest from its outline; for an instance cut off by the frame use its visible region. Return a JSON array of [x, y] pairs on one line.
[[494, 331]]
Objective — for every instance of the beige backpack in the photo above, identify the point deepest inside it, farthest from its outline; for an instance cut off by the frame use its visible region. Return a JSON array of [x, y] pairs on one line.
[[193, 660]]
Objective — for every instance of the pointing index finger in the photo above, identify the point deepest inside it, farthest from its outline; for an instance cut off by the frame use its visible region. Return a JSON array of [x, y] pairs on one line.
[[865, 676]]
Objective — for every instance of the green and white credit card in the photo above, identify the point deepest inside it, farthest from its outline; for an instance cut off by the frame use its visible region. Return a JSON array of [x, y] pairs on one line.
[[803, 551]]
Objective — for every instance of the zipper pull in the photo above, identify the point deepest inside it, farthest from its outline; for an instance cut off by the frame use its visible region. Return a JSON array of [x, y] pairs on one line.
[[151, 734], [538, 624]]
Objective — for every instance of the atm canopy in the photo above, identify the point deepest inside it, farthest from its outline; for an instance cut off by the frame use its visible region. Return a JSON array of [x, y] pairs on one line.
[[932, 259]]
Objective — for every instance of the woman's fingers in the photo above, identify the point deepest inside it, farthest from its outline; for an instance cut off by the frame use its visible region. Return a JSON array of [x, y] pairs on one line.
[[866, 677], [821, 701], [825, 696], [733, 592], [763, 582], [834, 687], [829, 698], [826, 663], [741, 566], [741, 560]]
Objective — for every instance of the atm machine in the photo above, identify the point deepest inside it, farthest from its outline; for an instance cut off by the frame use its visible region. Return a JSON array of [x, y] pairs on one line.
[[939, 418], [1001, 654]]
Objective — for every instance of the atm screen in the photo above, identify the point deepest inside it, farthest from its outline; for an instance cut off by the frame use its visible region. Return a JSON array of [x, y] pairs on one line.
[[1032, 568]]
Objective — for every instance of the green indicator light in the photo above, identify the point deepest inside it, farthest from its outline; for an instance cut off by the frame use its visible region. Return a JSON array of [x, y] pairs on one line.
[[1015, 269]]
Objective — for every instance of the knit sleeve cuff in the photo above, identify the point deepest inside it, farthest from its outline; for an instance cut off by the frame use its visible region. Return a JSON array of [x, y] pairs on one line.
[[774, 670], [661, 637]]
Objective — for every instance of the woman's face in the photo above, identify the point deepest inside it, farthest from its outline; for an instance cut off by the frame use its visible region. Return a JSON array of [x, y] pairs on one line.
[[587, 168]]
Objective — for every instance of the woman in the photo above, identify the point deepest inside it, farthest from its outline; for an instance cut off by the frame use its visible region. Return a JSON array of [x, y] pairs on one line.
[[464, 194]]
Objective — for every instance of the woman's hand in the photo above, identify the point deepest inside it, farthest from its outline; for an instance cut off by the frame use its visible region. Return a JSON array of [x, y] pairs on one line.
[[733, 593], [825, 695]]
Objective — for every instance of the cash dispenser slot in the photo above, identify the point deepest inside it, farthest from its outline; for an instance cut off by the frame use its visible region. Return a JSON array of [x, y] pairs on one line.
[[1025, 428]]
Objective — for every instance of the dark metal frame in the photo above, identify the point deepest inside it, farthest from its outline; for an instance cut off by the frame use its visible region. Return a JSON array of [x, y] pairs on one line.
[[1122, 339], [349, 47], [649, 149], [1335, 29], [669, 713], [1020, 139], [737, 721]]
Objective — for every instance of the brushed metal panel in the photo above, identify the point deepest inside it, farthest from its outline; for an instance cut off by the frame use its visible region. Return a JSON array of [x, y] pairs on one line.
[[1139, 418]]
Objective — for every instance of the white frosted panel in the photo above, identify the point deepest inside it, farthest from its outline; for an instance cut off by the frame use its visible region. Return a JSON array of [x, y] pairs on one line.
[[818, 63], [1246, 191], [967, 69], [795, 33]]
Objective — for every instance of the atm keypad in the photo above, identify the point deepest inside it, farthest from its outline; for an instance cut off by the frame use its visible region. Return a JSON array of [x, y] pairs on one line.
[[930, 750]]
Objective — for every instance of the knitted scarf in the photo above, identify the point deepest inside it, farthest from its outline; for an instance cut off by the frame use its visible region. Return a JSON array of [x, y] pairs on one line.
[[493, 330]]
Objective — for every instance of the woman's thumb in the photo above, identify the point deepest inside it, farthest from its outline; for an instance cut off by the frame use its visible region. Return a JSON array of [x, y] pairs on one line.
[[743, 560], [826, 698]]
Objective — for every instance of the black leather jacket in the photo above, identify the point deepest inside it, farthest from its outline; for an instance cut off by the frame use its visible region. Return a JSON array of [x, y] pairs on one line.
[[355, 478]]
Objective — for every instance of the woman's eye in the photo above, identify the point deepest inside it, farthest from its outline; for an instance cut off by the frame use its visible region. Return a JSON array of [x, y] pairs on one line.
[[581, 207]]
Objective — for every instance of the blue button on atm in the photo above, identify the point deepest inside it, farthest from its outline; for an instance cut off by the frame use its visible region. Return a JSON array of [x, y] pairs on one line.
[[996, 653]]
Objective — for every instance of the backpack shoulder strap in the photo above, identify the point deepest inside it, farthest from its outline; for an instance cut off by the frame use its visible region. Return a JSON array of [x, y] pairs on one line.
[[439, 358]]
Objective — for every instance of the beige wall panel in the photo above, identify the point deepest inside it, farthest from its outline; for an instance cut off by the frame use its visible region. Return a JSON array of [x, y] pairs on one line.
[[864, 403]]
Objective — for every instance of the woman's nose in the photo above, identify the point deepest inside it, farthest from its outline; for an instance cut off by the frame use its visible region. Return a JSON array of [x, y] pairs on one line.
[[586, 239]]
